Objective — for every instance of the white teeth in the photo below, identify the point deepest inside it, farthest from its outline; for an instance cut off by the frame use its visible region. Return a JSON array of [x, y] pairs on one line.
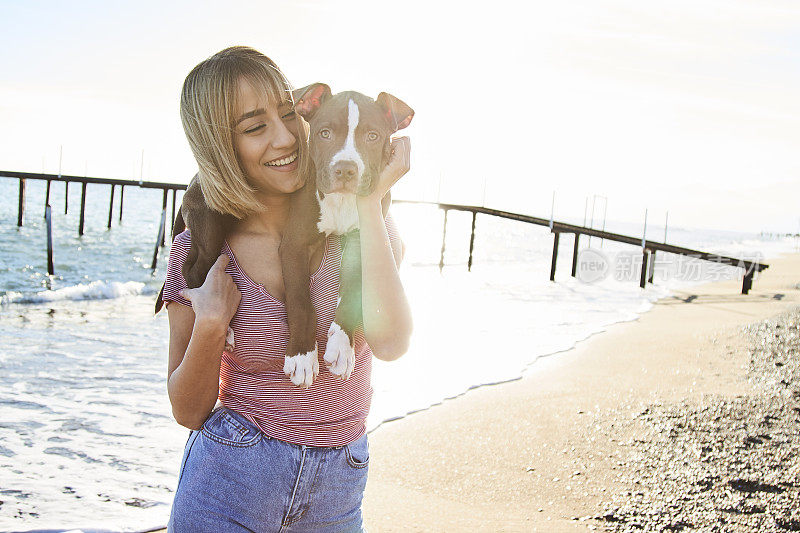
[[281, 162]]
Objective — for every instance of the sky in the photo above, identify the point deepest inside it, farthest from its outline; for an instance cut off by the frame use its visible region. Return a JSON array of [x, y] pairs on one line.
[[686, 107]]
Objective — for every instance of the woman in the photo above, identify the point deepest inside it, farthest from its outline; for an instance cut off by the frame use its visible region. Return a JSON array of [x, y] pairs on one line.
[[273, 456]]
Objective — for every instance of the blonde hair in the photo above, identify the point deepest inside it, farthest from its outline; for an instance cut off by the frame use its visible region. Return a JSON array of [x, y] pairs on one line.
[[208, 107]]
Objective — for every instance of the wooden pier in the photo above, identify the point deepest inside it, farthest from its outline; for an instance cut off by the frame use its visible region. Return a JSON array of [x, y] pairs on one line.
[[648, 247], [23, 177]]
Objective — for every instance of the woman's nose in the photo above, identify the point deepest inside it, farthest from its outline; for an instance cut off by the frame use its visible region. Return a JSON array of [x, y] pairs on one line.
[[284, 137]]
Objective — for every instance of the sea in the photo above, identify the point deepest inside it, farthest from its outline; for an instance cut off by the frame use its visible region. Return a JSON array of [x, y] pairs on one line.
[[87, 440]]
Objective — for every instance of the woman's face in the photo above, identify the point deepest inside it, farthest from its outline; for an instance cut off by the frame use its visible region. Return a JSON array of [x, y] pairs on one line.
[[265, 141]]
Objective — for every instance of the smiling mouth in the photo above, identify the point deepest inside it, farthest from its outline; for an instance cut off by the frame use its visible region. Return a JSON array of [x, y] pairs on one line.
[[282, 162]]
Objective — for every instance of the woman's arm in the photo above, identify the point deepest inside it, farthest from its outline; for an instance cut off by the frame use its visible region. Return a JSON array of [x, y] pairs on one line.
[[196, 340], [387, 316]]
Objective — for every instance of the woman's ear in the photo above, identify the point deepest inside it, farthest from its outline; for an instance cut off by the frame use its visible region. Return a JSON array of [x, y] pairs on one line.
[[397, 112], [308, 100]]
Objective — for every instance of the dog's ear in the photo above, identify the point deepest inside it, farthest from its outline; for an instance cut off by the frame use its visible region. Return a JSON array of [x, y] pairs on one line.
[[308, 99], [397, 112]]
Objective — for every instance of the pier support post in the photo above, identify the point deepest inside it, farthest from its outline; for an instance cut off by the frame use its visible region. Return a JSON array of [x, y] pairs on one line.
[[66, 196], [83, 208], [172, 225], [471, 242], [747, 281], [575, 254], [555, 256], [21, 208], [643, 276], [49, 218], [47, 198], [160, 237], [164, 211], [111, 206], [121, 198], [651, 267], [444, 236]]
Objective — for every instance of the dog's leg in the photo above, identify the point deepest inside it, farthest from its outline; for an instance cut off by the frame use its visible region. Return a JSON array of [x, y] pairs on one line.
[[178, 226], [340, 349], [208, 228], [301, 363]]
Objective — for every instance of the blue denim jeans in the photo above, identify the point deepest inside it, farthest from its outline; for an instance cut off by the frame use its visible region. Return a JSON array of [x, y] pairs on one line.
[[235, 478]]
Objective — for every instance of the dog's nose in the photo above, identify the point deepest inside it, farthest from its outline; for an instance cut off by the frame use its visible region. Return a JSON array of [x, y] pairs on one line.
[[345, 170]]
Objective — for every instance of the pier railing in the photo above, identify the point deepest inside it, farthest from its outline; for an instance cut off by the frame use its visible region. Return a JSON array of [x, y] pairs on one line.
[[649, 247]]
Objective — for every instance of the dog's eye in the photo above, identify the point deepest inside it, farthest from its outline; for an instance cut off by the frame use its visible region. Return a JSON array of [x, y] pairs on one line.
[[325, 133], [372, 136]]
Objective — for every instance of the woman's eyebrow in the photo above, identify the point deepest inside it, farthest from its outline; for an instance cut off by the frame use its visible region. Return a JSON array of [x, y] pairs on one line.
[[250, 114]]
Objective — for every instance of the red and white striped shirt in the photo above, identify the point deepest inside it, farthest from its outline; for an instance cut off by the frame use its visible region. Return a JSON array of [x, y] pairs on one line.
[[331, 412]]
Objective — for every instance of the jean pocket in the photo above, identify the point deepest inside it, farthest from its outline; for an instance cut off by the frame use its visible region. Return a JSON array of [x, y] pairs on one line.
[[357, 453], [232, 429]]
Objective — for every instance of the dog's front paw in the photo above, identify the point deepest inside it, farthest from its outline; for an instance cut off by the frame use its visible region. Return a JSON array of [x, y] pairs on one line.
[[302, 368], [339, 354]]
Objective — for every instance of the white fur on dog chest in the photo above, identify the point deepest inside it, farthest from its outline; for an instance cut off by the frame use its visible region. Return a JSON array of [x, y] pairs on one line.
[[337, 213]]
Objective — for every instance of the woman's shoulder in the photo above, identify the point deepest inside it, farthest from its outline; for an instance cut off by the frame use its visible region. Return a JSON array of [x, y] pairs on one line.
[[182, 241], [179, 249]]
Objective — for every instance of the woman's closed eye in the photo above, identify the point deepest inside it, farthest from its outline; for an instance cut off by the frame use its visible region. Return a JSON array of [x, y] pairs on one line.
[[290, 115], [253, 129]]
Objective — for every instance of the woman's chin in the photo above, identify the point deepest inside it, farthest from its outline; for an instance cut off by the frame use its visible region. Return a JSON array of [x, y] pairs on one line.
[[299, 181], [287, 184]]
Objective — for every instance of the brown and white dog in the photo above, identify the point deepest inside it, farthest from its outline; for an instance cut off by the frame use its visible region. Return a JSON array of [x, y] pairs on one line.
[[349, 145]]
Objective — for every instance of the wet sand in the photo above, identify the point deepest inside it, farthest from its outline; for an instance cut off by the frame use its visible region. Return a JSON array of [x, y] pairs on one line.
[[582, 440]]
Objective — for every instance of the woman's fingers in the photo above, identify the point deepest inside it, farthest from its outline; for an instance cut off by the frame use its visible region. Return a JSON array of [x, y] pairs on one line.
[[218, 298], [402, 146], [216, 269], [399, 163], [219, 264], [217, 279]]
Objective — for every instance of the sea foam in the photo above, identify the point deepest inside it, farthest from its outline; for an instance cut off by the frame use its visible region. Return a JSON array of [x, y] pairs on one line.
[[96, 290]]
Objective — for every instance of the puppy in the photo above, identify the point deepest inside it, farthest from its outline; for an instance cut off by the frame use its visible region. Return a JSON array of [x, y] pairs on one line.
[[349, 144]]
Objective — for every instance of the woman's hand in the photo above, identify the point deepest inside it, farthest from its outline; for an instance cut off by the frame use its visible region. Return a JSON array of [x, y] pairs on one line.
[[215, 302], [399, 164]]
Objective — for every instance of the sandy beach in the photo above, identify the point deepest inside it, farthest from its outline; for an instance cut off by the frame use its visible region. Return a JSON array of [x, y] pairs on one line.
[[580, 441], [678, 421]]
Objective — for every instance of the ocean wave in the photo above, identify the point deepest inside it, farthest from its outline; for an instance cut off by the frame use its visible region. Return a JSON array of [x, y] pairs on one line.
[[96, 290]]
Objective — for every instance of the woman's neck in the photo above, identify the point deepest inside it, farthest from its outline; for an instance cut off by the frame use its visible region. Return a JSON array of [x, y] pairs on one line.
[[270, 220]]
